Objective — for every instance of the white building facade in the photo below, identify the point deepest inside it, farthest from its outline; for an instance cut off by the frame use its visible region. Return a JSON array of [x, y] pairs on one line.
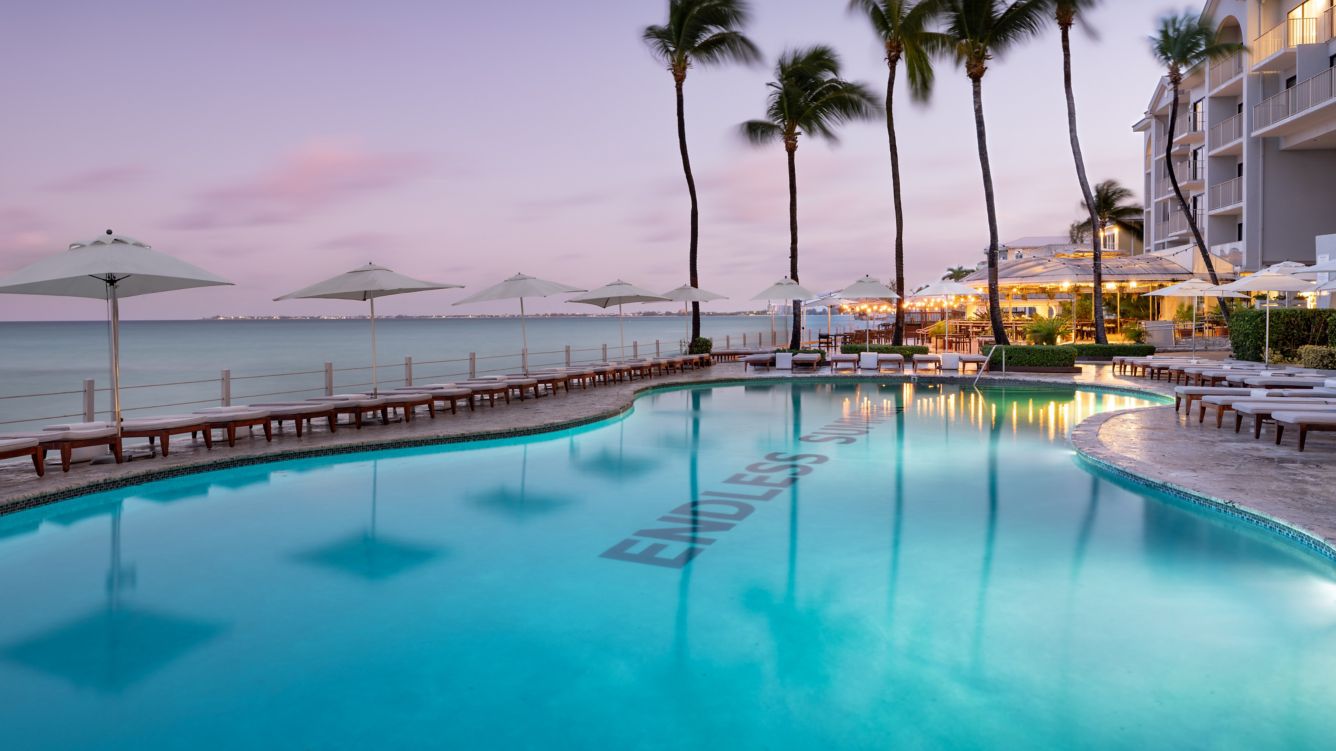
[[1255, 145]]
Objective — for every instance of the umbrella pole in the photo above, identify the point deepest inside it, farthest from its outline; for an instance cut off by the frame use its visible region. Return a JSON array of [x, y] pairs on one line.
[[524, 338], [621, 331], [1194, 328], [115, 334], [1266, 356], [375, 384]]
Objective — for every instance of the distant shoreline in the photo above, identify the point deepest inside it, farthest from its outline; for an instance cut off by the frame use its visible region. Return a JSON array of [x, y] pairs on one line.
[[462, 317]]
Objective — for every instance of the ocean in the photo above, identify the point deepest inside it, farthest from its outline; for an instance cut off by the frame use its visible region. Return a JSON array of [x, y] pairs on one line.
[[56, 357]]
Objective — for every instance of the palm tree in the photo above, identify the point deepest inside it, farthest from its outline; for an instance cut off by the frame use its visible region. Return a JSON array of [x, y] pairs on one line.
[[698, 32], [1065, 12], [807, 97], [902, 26], [1181, 43], [1113, 207], [974, 32], [957, 273]]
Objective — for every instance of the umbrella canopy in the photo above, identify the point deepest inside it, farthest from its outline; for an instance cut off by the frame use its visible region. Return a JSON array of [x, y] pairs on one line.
[[868, 288], [87, 269], [1148, 268], [1194, 288], [618, 293], [366, 283], [947, 288], [1328, 287], [688, 293], [1287, 267], [1269, 282], [109, 267], [519, 287], [784, 289], [1322, 267]]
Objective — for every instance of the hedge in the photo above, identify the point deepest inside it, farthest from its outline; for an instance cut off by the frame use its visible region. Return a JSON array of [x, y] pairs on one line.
[[700, 346], [1109, 351], [1291, 328], [1028, 356], [1316, 356], [884, 349]]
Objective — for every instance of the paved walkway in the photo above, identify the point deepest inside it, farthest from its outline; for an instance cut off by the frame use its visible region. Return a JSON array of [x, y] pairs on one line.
[[1298, 490]]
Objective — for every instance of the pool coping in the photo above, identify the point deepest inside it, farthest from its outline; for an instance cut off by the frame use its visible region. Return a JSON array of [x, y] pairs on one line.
[[1084, 439]]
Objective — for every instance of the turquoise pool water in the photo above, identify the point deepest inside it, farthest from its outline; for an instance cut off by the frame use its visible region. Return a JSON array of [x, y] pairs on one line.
[[870, 566]]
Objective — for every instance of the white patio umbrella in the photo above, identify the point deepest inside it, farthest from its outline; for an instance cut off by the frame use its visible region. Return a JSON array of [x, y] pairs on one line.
[[366, 283], [689, 294], [618, 293], [519, 287], [829, 301], [109, 267], [1196, 289], [868, 288], [1269, 283], [947, 290], [784, 289]]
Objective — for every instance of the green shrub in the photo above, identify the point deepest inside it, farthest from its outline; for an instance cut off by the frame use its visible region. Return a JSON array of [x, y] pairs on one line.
[[1134, 333], [1317, 356], [700, 346], [884, 349], [1047, 331], [1291, 328], [1034, 357], [1109, 351]]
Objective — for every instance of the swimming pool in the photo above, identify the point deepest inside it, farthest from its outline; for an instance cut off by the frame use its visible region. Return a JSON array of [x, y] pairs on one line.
[[866, 565]]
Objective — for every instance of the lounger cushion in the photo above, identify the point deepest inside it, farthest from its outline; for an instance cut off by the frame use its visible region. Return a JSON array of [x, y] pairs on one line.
[[162, 422], [78, 426], [294, 408], [17, 444], [86, 434], [1308, 417]]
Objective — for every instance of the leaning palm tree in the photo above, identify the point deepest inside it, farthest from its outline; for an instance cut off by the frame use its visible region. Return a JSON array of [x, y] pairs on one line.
[[807, 97], [1113, 207], [974, 32], [1066, 12], [903, 27], [957, 273], [698, 32], [1181, 43]]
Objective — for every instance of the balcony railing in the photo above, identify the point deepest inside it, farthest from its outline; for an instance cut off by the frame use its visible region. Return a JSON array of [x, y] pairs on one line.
[[1227, 193], [1303, 96], [1188, 170], [1291, 33], [1178, 222], [1226, 69], [1226, 131]]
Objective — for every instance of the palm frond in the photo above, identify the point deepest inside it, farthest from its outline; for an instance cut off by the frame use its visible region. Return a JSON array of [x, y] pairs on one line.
[[761, 132], [708, 32], [727, 47]]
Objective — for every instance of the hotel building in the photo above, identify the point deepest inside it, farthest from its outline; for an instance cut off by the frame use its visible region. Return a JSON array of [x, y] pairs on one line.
[[1255, 145]]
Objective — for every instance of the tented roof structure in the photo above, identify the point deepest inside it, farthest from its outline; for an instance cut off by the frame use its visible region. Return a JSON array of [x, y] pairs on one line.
[[1042, 272]]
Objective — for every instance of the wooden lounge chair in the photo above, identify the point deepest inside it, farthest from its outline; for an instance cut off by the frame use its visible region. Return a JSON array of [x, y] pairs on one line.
[[840, 361], [1223, 403], [1265, 409], [231, 419], [980, 362], [161, 428], [759, 361], [12, 448], [68, 437], [1304, 422], [301, 414], [927, 362], [806, 361]]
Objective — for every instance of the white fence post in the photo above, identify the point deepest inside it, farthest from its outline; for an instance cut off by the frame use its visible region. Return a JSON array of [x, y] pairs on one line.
[[473, 365], [89, 400], [329, 379], [728, 341], [568, 355], [635, 349], [657, 352], [605, 353], [524, 360], [226, 395], [408, 371]]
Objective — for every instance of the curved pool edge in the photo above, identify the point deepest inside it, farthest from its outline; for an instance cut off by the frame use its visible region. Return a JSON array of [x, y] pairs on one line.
[[128, 476], [1091, 451]]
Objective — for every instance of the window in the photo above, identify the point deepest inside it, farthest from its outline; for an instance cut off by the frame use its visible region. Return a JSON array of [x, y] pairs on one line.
[[1109, 241], [1303, 20], [1240, 232], [1239, 170], [1290, 82], [1195, 115]]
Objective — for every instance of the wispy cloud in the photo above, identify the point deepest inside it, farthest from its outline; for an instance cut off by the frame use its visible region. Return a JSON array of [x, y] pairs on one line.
[[24, 234], [99, 178], [313, 178]]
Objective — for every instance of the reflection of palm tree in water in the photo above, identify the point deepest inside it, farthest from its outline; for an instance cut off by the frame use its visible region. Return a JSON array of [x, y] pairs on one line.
[[693, 480], [796, 414], [990, 539], [117, 574], [898, 525]]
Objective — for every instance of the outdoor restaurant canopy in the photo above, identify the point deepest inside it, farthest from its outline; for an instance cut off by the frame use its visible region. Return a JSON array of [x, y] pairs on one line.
[[1053, 271]]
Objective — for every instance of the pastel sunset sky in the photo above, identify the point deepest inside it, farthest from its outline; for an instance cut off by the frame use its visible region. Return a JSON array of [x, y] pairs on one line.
[[277, 144]]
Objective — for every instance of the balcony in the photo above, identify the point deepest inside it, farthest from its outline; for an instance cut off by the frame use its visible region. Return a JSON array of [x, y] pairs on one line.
[[1227, 197], [1178, 224], [1190, 130], [1303, 116], [1226, 136], [1190, 174], [1227, 71], [1274, 50]]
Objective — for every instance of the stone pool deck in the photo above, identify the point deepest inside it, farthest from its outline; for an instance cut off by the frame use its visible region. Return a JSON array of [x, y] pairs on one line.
[[1295, 490]]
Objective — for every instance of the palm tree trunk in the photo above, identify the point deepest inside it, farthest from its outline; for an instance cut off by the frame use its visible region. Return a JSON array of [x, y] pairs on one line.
[[1096, 238], [994, 301], [692, 270], [898, 336], [1183, 201], [795, 338]]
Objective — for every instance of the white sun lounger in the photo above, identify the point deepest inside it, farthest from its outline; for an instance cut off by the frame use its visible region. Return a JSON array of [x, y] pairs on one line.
[[1261, 411], [13, 448], [1304, 422], [161, 428]]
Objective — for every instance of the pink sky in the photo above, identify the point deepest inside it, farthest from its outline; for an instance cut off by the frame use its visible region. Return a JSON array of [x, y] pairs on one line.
[[278, 144]]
